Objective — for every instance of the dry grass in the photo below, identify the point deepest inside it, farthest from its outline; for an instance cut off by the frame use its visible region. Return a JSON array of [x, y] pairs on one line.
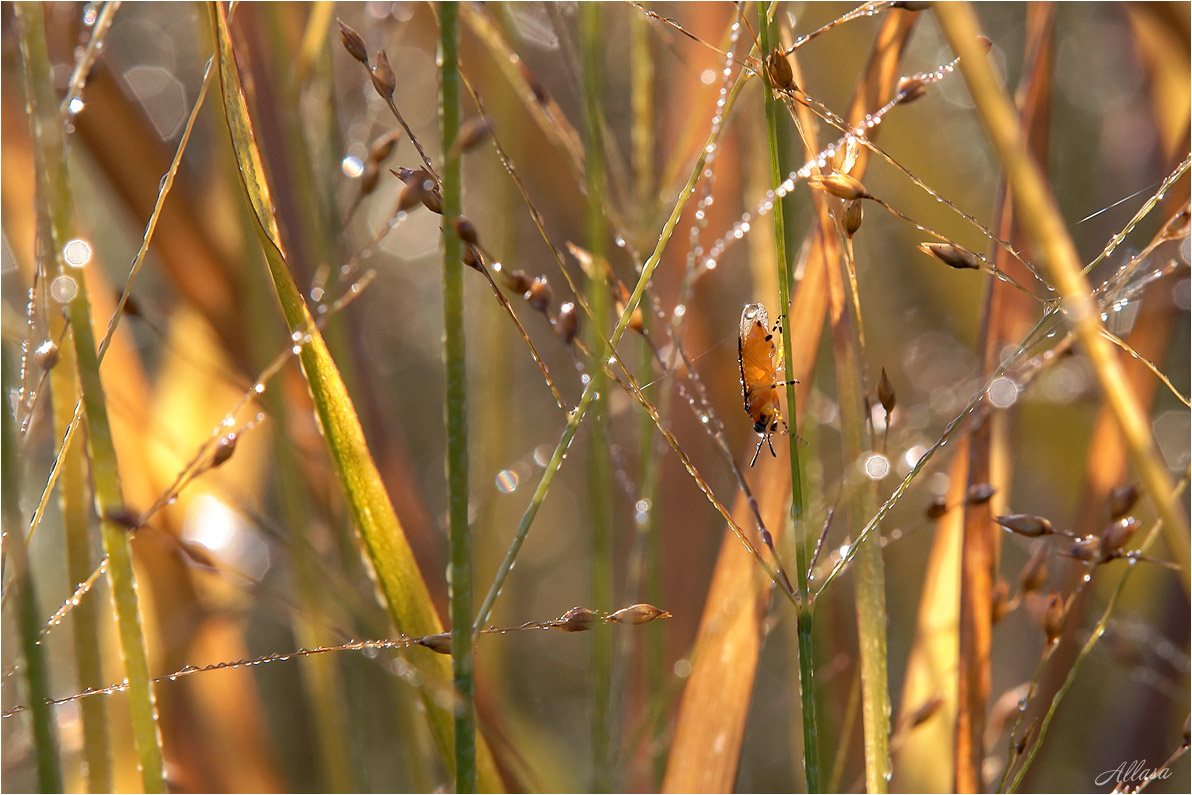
[[280, 474]]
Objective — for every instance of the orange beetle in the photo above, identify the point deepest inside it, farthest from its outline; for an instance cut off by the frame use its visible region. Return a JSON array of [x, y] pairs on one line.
[[756, 353]]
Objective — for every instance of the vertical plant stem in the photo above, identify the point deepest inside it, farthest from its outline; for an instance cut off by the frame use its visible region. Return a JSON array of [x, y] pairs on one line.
[[45, 739], [460, 577], [599, 465], [868, 571], [54, 183], [804, 613]]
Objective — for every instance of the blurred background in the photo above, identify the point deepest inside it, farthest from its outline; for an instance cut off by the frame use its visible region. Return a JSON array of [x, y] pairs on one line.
[[259, 556]]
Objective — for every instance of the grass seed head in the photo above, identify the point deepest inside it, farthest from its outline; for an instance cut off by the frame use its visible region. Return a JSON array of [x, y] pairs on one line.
[[1053, 617], [637, 614], [1025, 524], [839, 185], [1001, 601], [853, 214], [539, 295], [577, 619], [1121, 500], [952, 256], [885, 392], [910, 89], [1116, 536], [567, 323], [1034, 573], [937, 508], [980, 493], [383, 79], [1087, 549], [352, 42], [472, 134], [47, 355], [779, 70], [926, 710], [224, 449], [440, 642], [518, 281], [466, 230]]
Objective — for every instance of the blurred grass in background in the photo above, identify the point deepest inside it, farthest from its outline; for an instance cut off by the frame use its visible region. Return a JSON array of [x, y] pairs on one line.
[[259, 555]]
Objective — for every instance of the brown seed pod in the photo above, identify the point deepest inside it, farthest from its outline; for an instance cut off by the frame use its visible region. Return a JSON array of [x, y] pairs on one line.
[[567, 323], [47, 355], [1001, 603], [577, 619], [198, 554], [885, 392], [353, 43], [383, 146], [637, 614], [466, 230], [1121, 500], [926, 710], [1116, 536], [472, 258], [1034, 573], [472, 133], [910, 89], [1025, 524], [779, 70], [517, 281], [420, 189], [440, 642], [409, 198], [1087, 549], [980, 493], [952, 256], [224, 449], [937, 508], [1053, 617], [368, 180], [839, 185], [539, 295], [383, 79], [854, 212]]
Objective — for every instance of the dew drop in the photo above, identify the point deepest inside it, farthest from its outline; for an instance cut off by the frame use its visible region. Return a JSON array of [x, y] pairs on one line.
[[77, 252], [352, 166], [506, 481], [63, 289]]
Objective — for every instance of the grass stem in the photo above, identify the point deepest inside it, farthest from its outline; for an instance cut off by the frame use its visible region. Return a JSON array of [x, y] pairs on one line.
[[456, 400], [804, 611]]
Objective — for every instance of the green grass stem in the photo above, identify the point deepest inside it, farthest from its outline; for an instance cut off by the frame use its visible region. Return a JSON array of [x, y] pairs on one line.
[[455, 365], [54, 186], [599, 463], [804, 611], [406, 596], [37, 673]]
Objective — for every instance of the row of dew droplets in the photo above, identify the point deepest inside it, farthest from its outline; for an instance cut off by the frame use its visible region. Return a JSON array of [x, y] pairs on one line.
[[852, 137]]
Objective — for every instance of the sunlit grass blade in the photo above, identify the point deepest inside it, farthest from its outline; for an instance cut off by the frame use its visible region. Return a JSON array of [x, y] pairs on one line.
[[400, 580]]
